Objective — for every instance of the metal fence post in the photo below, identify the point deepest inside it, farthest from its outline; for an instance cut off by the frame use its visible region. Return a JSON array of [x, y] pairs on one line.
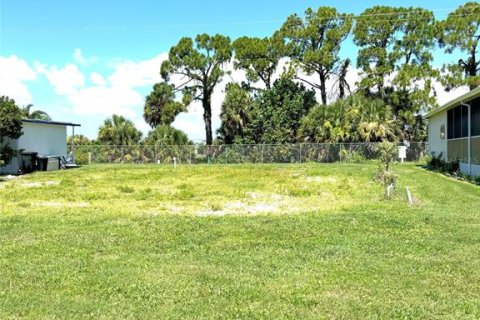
[[300, 153], [122, 154]]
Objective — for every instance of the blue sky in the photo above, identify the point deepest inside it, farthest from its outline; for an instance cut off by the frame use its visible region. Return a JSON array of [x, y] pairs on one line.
[[82, 61]]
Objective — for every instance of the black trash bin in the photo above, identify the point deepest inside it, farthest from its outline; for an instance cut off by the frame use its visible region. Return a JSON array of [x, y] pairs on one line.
[[28, 162], [42, 163]]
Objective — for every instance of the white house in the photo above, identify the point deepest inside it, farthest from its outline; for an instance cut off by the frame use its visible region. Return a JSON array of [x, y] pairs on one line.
[[454, 131], [43, 137]]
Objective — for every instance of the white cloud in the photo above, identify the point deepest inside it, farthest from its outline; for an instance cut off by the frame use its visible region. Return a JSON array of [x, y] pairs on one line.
[[137, 74], [14, 75], [97, 79], [141, 125], [64, 80], [443, 96], [192, 124], [117, 93], [79, 58], [105, 101]]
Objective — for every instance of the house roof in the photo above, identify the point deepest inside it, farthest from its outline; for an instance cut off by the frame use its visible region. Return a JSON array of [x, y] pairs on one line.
[[52, 122], [464, 98]]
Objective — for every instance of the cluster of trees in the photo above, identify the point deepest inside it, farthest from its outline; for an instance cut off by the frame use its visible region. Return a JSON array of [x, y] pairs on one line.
[[288, 70], [118, 140], [119, 131]]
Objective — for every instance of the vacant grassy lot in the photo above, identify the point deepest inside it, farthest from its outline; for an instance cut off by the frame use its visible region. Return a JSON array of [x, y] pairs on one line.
[[238, 242]]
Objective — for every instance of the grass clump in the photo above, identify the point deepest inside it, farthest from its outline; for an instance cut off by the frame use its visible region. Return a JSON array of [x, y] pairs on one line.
[[126, 189]]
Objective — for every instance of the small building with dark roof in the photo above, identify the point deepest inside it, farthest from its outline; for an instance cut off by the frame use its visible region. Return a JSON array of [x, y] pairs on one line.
[[46, 138]]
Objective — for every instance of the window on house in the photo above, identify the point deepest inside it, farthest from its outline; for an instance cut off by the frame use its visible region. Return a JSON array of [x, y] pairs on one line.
[[464, 121], [476, 117], [457, 122], [450, 123]]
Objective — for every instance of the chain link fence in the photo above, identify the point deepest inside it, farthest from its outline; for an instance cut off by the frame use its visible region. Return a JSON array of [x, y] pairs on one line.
[[226, 154]]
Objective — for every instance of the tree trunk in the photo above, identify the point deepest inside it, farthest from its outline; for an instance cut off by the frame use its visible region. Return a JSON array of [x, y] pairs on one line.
[[342, 81], [381, 90], [473, 67], [207, 118], [341, 90], [323, 88]]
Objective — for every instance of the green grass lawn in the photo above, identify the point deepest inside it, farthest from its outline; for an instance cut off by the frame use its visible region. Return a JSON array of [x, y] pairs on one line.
[[306, 241]]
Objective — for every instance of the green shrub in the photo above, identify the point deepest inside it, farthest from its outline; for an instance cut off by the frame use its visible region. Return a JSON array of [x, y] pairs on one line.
[[351, 156], [10, 127], [201, 158], [425, 158], [436, 162], [81, 157], [7, 154], [451, 168], [387, 153], [477, 180]]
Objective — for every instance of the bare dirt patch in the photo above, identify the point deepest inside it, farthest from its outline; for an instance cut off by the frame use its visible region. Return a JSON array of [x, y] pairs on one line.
[[320, 179], [54, 204], [239, 207], [5, 179], [256, 203], [40, 184]]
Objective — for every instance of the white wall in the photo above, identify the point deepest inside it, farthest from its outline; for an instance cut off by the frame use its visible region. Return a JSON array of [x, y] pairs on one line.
[[436, 144], [45, 139], [475, 169]]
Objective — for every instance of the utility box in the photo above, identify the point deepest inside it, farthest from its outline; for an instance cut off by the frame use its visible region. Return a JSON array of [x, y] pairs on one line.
[[48, 163], [402, 153], [53, 163]]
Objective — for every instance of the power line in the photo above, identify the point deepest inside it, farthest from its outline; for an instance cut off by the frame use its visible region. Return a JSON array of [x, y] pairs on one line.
[[239, 23]]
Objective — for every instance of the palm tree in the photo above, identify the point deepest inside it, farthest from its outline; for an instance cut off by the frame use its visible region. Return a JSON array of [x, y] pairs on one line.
[[376, 122], [120, 140], [165, 142], [166, 136], [119, 131], [352, 119], [160, 106], [236, 114], [35, 115]]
